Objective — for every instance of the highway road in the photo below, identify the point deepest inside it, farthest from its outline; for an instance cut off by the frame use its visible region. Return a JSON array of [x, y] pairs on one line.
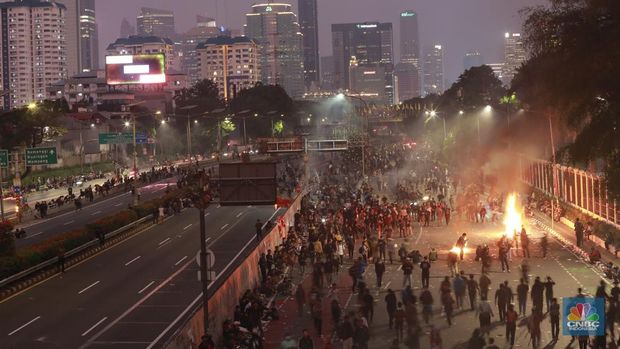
[[130, 295]]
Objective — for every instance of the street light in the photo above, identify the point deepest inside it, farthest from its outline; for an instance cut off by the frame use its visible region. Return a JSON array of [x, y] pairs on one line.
[[189, 131], [461, 112], [488, 109], [341, 97], [433, 114]]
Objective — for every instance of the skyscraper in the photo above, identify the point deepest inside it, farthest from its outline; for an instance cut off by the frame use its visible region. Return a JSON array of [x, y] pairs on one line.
[[472, 59], [127, 29], [185, 46], [368, 44], [152, 21], [433, 69], [33, 50], [514, 55], [327, 73], [407, 72], [275, 28], [81, 36], [308, 21]]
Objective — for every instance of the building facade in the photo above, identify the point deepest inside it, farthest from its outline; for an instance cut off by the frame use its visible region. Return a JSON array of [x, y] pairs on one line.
[[34, 53], [327, 73], [308, 21], [407, 72], [472, 59], [127, 29], [81, 36], [134, 45], [155, 22], [433, 69], [514, 55], [233, 64], [275, 29], [498, 70], [368, 44], [185, 46]]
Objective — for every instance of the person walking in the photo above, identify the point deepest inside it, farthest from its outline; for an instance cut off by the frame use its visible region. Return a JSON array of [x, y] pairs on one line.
[[485, 313], [579, 229], [554, 317], [448, 306], [345, 333], [511, 324], [317, 316], [390, 305], [461, 243], [534, 327], [379, 270], [525, 243], [503, 257], [399, 321], [536, 293], [472, 291], [522, 291], [407, 267], [484, 282], [501, 302], [549, 291], [368, 308], [426, 298], [300, 299], [425, 271], [458, 284], [259, 230]]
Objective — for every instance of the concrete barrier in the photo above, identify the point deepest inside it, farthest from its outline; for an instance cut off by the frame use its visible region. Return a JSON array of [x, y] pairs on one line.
[[246, 276]]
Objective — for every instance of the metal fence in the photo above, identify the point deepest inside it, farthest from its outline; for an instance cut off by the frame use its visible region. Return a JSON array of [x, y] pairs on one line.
[[580, 189]]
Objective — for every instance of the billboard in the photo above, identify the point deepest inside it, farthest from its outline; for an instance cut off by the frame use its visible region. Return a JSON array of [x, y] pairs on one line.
[[135, 69], [248, 183]]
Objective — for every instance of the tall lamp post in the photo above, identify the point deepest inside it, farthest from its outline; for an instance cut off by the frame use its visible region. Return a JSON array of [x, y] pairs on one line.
[[434, 114], [135, 151], [342, 96], [189, 131]]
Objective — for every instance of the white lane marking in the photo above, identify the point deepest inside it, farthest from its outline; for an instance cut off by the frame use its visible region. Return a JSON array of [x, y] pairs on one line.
[[189, 225], [239, 214], [208, 213], [69, 222], [24, 325], [133, 260], [419, 236], [95, 213], [119, 204], [224, 226], [387, 285], [93, 284], [180, 261], [94, 326], [207, 240], [147, 286], [33, 235], [218, 206], [164, 241], [249, 206], [400, 266]]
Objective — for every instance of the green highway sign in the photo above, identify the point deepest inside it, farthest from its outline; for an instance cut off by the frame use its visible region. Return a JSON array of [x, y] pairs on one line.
[[41, 156], [4, 158], [121, 138]]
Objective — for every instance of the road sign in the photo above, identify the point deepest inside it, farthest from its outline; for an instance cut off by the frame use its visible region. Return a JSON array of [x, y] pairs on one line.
[[41, 156], [4, 158], [210, 263], [122, 138]]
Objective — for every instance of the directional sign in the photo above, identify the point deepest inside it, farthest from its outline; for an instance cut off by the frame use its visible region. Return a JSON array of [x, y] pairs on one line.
[[41, 156], [122, 138], [4, 158], [210, 258]]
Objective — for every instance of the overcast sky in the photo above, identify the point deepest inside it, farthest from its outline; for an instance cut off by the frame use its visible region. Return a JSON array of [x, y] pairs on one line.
[[459, 25]]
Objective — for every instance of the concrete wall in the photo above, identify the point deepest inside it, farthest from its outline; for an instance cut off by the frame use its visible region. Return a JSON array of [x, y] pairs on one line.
[[246, 276]]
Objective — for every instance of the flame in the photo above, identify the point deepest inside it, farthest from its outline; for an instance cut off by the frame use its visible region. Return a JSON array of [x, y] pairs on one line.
[[457, 250], [512, 217]]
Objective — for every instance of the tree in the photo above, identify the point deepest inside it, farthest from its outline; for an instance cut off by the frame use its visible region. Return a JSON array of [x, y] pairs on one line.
[[204, 95], [31, 125], [573, 76], [475, 88]]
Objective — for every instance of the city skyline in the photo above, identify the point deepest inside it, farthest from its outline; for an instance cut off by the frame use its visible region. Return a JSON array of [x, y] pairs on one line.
[[482, 23]]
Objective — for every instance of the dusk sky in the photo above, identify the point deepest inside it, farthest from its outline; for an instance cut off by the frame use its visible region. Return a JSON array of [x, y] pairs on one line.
[[459, 25]]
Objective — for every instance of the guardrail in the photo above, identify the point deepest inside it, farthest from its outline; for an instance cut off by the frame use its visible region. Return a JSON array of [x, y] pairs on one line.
[[68, 255]]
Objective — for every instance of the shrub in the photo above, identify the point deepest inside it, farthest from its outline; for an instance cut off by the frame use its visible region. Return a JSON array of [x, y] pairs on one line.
[[111, 223]]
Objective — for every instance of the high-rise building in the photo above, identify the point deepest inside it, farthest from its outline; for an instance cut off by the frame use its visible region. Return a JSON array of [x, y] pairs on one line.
[[327, 73], [231, 63], [407, 72], [369, 44], [34, 53], [185, 46], [275, 28], [127, 29], [433, 69], [81, 36], [472, 59], [514, 55], [498, 70], [308, 21], [155, 22], [134, 45]]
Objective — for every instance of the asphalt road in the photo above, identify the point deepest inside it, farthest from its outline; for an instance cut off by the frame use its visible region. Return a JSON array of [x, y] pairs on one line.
[[127, 296], [566, 269]]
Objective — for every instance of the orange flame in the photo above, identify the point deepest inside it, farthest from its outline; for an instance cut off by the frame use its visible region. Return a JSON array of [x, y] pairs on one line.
[[512, 217]]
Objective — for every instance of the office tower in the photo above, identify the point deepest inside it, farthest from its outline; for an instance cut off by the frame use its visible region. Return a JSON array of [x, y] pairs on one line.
[[156, 22], [433, 69], [81, 36], [231, 63], [472, 59], [368, 81], [308, 21], [275, 28], [134, 45], [33, 50], [185, 46], [327, 73], [407, 72], [498, 70], [514, 55], [127, 29], [370, 45]]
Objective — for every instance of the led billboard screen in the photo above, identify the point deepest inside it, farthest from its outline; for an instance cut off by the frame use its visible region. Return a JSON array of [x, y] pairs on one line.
[[135, 69]]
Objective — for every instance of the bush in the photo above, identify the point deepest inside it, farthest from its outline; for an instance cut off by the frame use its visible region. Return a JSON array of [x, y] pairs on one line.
[[111, 223]]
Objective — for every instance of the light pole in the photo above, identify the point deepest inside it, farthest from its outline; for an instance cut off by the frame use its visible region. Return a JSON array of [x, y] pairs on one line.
[[434, 114], [189, 131], [342, 96]]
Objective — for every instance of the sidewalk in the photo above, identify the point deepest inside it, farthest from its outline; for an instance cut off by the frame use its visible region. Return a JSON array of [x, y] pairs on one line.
[[290, 323]]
